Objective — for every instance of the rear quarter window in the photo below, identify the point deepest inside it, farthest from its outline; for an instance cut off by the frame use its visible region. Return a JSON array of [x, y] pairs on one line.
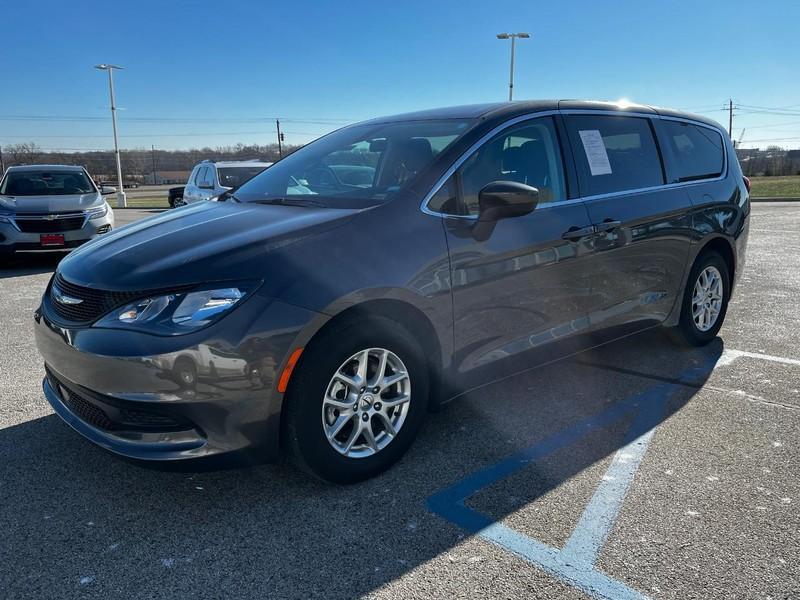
[[698, 151], [614, 154]]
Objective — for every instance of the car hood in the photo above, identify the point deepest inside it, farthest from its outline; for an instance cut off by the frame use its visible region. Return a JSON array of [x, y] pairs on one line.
[[203, 242], [50, 204]]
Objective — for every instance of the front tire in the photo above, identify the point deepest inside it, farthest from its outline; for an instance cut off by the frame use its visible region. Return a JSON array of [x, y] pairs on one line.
[[705, 300], [356, 400], [185, 372]]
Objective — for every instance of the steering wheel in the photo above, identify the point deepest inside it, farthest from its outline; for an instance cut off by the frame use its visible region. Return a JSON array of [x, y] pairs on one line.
[[322, 176]]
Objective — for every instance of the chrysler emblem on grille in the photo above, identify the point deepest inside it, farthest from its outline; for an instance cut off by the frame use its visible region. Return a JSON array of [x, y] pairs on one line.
[[62, 298]]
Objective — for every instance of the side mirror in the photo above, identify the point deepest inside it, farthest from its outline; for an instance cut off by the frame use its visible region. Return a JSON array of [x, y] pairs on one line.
[[107, 189], [502, 200]]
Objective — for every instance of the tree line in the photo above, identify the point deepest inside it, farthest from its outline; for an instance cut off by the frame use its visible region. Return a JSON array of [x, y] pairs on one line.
[[138, 163], [141, 162], [771, 162]]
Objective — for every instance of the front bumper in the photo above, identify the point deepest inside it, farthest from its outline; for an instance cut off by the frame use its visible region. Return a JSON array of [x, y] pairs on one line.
[[11, 238], [128, 392]]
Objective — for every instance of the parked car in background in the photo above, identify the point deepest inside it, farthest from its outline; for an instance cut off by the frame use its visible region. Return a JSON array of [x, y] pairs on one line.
[[470, 243], [51, 207], [211, 178], [175, 196], [125, 184]]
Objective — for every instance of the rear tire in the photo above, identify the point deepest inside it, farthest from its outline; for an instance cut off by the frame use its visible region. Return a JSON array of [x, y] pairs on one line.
[[705, 301], [318, 400]]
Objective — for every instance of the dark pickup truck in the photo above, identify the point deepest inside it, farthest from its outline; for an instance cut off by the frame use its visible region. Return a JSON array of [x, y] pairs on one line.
[[176, 196]]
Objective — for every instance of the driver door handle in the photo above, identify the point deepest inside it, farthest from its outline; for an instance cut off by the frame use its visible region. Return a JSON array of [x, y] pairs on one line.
[[576, 233], [607, 225]]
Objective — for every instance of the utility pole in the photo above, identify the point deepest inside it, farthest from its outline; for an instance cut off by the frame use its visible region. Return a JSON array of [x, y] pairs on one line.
[[730, 118], [155, 174], [121, 200], [513, 37], [2, 163], [280, 138]]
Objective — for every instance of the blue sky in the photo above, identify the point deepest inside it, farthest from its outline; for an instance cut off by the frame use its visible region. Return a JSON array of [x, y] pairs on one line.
[[203, 73]]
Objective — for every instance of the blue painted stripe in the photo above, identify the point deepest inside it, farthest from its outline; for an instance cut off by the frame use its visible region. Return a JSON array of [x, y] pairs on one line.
[[575, 563], [449, 502]]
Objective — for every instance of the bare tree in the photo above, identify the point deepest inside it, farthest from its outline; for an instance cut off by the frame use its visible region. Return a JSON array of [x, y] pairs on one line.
[[23, 154]]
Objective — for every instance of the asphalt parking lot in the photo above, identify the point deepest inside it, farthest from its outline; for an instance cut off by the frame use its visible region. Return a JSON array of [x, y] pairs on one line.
[[634, 470]]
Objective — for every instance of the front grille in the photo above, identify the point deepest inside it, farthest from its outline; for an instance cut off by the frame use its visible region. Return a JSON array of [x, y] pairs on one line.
[[93, 302], [50, 226], [111, 417]]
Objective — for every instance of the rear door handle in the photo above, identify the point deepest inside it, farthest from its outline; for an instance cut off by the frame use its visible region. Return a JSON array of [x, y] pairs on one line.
[[576, 233], [607, 225]]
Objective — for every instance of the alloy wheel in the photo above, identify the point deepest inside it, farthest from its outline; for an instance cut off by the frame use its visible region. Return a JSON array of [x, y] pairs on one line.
[[366, 403], [707, 298]]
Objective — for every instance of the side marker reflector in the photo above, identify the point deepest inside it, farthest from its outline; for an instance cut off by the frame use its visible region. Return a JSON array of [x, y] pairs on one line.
[[283, 382]]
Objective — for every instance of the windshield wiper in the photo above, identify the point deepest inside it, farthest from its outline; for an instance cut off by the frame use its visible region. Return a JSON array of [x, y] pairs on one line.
[[290, 202]]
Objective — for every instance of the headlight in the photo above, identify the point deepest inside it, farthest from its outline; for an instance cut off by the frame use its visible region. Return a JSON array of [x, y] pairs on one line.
[[97, 212], [174, 314], [5, 218]]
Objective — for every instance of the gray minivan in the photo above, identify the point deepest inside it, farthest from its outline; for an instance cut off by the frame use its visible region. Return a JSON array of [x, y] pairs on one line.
[[426, 254]]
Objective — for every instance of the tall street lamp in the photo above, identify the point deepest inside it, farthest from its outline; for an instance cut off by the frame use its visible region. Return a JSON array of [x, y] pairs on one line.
[[513, 37], [121, 200]]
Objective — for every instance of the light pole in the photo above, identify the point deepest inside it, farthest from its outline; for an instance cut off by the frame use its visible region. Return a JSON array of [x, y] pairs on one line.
[[513, 37], [121, 200]]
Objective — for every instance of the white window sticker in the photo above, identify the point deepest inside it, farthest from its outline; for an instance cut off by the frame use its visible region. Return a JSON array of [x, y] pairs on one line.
[[595, 152]]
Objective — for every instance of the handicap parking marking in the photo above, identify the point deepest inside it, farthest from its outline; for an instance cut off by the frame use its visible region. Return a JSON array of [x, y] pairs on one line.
[[575, 562]]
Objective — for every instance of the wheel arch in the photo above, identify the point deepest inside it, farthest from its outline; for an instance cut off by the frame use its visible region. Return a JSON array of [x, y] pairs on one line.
[[724, 248], [717, 243], [402, 312]]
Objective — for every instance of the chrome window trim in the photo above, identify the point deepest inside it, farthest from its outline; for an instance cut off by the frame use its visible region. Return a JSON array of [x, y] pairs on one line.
[[530, 116]]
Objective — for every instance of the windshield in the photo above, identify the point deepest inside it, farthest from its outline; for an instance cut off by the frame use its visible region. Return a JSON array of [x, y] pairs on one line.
[[236, 176], [46, 183], [369, 162]]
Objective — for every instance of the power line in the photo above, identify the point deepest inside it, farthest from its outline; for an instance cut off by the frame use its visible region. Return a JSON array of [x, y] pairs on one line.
[[67, 118], [773, 125], [159, 134]]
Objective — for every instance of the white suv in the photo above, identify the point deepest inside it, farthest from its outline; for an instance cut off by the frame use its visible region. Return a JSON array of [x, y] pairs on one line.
[[209, 179]]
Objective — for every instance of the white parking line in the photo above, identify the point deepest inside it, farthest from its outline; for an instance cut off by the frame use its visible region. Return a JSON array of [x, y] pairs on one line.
[[730, 355]]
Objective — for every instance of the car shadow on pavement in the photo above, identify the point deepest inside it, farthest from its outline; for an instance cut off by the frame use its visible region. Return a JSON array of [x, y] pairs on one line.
[[77, 519], [29, 263]]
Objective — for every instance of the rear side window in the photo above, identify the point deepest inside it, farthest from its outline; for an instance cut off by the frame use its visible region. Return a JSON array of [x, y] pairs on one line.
[[698, 151], [614, 154]]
